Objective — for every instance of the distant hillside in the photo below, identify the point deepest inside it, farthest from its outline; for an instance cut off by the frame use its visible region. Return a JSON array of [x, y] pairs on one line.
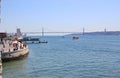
[[100, 33]]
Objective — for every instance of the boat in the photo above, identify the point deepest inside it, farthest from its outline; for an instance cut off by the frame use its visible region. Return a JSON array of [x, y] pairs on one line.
[[14, 55], [75, 37], [12, 48]]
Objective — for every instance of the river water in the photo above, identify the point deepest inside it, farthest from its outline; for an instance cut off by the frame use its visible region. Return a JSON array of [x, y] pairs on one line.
[[62, 57]]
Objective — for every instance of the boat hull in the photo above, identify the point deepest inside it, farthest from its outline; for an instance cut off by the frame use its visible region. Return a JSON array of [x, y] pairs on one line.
[[15, 55]]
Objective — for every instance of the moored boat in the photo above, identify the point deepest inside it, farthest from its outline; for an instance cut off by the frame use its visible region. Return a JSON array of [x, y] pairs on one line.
[[12, 48], [14, 55]]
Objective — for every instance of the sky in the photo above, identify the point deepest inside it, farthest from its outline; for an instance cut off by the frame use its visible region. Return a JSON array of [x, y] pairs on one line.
[[60, 15]]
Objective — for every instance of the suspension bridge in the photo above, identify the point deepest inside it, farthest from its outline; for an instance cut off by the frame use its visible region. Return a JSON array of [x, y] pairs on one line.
[[43, 33], [49, 31]]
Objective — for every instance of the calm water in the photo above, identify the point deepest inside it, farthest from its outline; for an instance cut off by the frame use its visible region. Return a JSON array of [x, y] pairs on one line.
[[88, 57]]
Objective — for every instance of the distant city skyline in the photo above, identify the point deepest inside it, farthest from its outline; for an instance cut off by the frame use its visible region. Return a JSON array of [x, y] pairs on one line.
[[60, 15]]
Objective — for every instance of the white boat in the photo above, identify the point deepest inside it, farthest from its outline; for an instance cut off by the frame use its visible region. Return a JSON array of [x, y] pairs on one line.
[[13, 51], [14, 55], [12, 48]]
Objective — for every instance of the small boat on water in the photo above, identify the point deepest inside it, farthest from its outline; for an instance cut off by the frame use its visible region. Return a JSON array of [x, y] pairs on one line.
[[75, 38]]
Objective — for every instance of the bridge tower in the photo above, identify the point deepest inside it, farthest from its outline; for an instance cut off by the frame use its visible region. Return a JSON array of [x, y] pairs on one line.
[[105, 30], [83, 31], [42, 31]]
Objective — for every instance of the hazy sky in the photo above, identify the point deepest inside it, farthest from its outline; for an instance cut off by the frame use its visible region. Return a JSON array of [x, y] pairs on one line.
[[60, 15]]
